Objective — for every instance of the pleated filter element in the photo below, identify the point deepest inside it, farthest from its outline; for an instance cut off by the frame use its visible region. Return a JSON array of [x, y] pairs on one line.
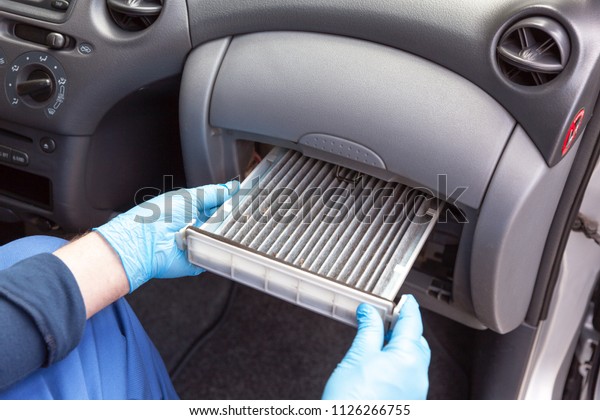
[[316, 234]]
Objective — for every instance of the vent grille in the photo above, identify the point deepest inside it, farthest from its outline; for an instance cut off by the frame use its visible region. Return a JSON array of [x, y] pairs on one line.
[[533, 51], [134, 15]]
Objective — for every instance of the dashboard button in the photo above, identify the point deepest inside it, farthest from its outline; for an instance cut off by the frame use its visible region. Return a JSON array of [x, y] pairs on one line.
[[85, 48], [47, 145], [60, 4], [55, 40], [19, 158], [4, 154]]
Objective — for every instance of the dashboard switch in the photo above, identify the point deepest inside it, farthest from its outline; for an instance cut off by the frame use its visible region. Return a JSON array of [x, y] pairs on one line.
[[41, 36], [19, 158], [60, 4], [56, 41], [47, 145], [4, 154]]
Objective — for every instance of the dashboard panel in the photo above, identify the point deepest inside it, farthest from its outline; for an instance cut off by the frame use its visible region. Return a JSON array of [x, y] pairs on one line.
[[494, 95]]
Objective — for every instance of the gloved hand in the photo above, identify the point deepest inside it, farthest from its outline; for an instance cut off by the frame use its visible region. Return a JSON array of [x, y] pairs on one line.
[[144, 237], [372, 371]]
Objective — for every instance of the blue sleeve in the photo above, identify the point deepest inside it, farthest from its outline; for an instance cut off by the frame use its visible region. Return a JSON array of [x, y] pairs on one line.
[[42, 316]]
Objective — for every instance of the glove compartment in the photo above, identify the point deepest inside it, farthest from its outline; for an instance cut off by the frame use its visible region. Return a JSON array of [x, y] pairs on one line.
[[396, 117]]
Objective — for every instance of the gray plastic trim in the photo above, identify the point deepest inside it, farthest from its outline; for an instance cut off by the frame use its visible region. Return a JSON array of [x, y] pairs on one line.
[[344, 148], [460, 35], [511, 232], [201, 151], [419, 118]]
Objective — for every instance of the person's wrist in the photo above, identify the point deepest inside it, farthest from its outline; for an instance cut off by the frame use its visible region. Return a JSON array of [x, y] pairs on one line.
[[97, 270], [118, 280], [116, 234]]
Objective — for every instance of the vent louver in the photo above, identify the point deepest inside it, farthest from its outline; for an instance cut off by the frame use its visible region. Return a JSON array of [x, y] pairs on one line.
[[134, 15], [533, 51]]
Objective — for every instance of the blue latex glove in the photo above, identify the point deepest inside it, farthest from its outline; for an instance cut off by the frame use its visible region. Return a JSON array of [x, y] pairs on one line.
[[144, 237], [372, 371]]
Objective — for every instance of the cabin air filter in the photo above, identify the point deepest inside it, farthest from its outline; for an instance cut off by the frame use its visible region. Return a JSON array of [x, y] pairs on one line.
[[318, 235]]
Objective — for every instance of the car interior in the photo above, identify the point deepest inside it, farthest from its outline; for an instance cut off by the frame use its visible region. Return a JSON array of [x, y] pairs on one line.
[[488, 107]]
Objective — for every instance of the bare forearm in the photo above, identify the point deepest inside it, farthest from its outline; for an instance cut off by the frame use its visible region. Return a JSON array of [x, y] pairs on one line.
[[97, 269]]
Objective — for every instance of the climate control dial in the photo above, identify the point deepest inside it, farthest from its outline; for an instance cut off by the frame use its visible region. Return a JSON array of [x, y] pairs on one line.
[[39, 86], [36, 80]]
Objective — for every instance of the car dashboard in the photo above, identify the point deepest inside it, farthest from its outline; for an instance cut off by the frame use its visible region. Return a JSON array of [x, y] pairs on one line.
[[482, 104]]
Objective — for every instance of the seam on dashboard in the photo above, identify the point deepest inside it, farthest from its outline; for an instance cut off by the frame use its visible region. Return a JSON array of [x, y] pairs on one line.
[[487, 187]]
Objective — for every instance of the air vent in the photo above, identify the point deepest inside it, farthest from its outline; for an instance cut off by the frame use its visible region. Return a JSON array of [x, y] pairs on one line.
[[134, 15], [533, 51]]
